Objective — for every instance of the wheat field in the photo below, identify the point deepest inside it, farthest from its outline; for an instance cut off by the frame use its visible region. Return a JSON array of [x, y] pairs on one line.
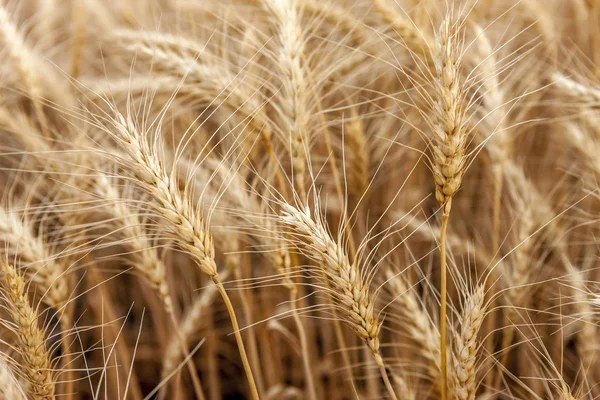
[[299, 199]]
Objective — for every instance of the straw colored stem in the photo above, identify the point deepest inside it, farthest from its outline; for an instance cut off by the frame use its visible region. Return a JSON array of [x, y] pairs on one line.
[[238, 337], [306, 364], [385, 377], [443, 295], [67, 360], [251, 339]]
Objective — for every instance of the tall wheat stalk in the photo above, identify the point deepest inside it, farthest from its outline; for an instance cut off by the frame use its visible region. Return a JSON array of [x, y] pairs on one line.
[[183, 222], [448, 147], [348, 288]]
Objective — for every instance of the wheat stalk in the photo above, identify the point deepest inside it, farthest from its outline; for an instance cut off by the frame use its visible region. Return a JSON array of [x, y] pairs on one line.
[[349, 289], [449, 141], [183, 222]]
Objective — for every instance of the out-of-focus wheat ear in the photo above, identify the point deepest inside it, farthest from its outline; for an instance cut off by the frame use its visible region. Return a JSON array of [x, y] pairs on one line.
[[47, 18], [293, 97], [521, 260], [337, 18], [204, 81], [593, 10], [357, 156], [37, 366], [128, 226], [348, 289], [448, 144], [250, 47], [10, 387], [78, 26], [409, 33], [585, 92], [25, 63], [498, 143], [189, 325], [417, 324], [588, 345], [402, 386], [540, 17], [182, 219], [493, 103], [465, 348]]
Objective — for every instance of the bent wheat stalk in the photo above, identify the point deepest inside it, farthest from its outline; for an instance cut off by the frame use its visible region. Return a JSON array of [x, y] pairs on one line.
[[349, 288], [183, 222]]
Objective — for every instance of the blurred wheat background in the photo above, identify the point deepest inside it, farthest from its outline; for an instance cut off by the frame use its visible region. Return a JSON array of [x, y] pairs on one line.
[[299, 199]]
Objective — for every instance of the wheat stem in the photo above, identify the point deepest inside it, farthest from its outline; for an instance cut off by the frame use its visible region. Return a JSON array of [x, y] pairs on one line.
[[386, 378], [443, 295], [238, 336], [306, 364], [252, 346]]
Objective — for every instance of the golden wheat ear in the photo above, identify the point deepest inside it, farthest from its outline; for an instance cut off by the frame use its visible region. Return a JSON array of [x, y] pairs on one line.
[[31, 341], [448, 146], [178, 212], [466, 346], [349, 290]]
